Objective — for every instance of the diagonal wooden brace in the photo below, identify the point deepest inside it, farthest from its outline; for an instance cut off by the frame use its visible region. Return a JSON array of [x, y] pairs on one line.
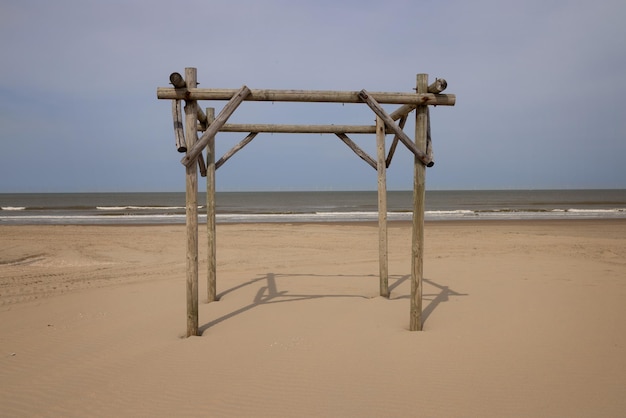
[[389, 123], [235, 149], [357, 150], [220, 120], [394, 144], [202, 165]]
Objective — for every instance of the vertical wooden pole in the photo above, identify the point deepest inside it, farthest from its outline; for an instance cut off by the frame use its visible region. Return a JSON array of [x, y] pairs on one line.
[[382, 208], [191, 136], [210, 212], [419, 193]]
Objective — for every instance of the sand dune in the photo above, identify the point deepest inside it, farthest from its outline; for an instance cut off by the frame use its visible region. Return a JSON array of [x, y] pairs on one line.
[[521, 319]]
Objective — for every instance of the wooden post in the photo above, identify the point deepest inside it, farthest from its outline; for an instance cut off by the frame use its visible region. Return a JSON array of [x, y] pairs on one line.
[[419, 193], [382, 208], [210, 212], [179, 131], [191, 135]]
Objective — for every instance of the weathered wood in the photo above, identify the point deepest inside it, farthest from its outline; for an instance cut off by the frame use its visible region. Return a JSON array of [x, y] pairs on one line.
[[383, 266], [402, 111], [179, 131], [389, 122], [429, 142], [201, 165], [235, 149], [357, 150], [437, 87], [202, 120], [317, 96], [186, 89], [191, 192], [221, 119], [394, 144], [210, 212], [300, 129], [177, 81], [419, 193]]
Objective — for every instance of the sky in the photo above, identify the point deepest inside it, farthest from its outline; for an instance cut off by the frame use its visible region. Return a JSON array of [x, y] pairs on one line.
[[539, 85]]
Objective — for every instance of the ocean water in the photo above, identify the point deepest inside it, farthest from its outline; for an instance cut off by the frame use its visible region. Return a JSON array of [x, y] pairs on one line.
[[335, 206]]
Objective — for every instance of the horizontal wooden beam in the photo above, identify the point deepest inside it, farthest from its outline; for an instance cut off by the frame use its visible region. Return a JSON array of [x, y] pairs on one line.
[[299, 129], [436, 87], [319, 96]]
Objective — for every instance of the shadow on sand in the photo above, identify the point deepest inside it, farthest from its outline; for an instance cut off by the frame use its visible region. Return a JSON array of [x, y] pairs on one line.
[[269, 293]]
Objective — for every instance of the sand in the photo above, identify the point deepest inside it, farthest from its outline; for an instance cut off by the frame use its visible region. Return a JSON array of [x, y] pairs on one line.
[[521, 319]]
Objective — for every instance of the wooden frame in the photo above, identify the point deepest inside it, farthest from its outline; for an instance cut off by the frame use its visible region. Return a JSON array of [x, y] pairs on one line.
[[196, 120]]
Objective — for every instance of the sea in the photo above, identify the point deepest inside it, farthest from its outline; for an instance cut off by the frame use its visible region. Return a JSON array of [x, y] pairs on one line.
[[309, 206]]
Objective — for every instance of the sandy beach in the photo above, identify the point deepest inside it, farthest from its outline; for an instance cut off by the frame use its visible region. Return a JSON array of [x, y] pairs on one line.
[[521, 319]]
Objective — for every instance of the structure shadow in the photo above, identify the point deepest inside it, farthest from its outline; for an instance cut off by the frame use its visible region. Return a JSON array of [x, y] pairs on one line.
[[397, 282], [270, 294], [434, 299]]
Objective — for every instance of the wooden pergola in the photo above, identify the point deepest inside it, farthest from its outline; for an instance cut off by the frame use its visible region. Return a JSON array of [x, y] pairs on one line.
[[196, 120]]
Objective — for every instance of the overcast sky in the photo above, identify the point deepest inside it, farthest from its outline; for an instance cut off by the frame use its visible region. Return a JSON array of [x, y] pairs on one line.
[[540, 86]]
